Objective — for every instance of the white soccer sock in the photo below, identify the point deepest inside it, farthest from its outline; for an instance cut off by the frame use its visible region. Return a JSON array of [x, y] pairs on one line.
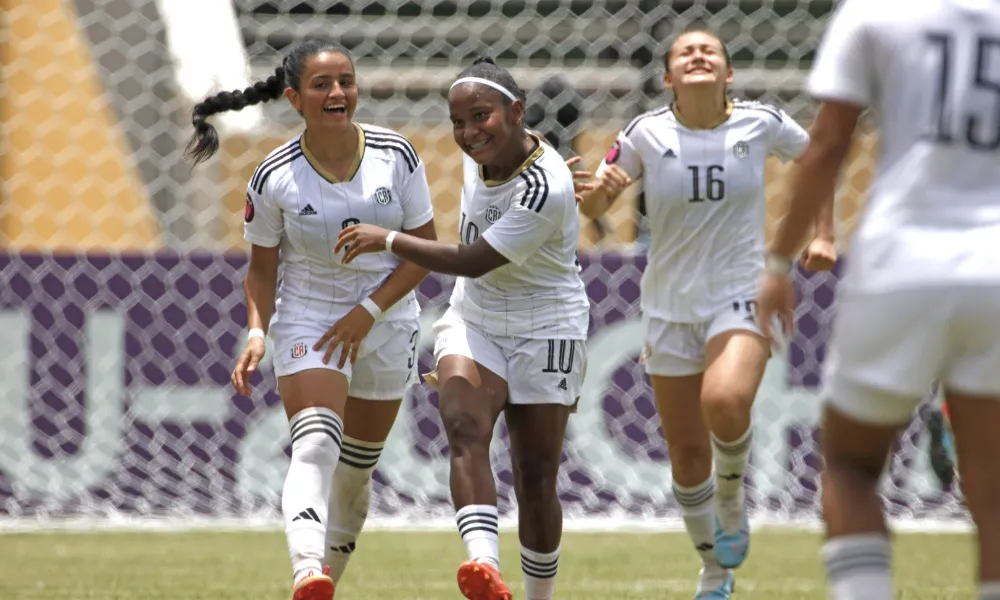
[[539, 573], [699, 517], [349, 501], [989, 590], [730, 466], [479, 527], [316, 434], [858, 567]]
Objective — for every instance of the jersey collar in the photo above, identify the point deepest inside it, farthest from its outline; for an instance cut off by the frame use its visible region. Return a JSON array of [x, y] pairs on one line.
[[527, 163], [359, 154], [725, 117]]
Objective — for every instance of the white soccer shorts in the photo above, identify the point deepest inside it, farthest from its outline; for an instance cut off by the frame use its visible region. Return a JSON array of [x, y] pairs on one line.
[[536, 371], [678, 349], [888, 349], [386, 364]]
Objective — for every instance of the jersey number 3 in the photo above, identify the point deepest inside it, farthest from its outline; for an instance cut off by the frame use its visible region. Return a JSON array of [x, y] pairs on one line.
[[973, 128], [714, 187]]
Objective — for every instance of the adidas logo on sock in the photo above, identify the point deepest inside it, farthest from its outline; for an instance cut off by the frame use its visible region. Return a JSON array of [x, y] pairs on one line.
[[308, 210], [308, 514]]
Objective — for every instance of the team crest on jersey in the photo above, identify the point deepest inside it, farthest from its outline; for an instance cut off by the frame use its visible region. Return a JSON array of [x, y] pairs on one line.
[[741, 149], [493, 214], [383, 196], [248, 212], [613, 153], [298, 350]]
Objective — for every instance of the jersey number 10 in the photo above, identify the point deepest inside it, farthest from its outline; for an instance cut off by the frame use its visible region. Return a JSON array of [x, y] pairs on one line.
[[974, 130]]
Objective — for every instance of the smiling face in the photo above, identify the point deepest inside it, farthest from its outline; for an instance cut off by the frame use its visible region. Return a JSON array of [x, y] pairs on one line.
[[697, 60], [329, 95], [483, 121]]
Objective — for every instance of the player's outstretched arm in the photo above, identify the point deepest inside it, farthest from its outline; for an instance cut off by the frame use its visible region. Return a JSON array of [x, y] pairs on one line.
[[473, 260], [607, 187], [407, 276], [260, 286]]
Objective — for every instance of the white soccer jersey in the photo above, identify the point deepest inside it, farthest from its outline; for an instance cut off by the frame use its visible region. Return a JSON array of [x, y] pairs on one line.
[[931, 71], [705, 204], [293, 202], [531, 219]]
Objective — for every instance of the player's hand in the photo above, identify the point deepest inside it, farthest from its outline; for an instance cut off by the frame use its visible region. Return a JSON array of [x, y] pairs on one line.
[[360, 239], [348, 332], [246, 365], [819, 255], [613, 181], [581, 179], [776, 296]]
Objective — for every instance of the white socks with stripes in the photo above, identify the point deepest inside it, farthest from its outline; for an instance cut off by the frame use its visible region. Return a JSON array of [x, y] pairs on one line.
[[539, 573], [699, 516], [316, 434], [349, 501], [478, 525], [730, 466], [858, 567]]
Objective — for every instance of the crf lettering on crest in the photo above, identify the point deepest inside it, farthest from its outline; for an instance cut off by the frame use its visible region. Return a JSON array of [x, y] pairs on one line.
[[383, 196], [493, 214]]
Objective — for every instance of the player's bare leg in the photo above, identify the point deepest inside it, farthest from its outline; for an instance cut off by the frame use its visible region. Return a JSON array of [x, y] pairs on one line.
[[470, 398], [314, 401], [678, 402], [857, 552], [974, 421], [367, 424], [537, 432], [736, 361]]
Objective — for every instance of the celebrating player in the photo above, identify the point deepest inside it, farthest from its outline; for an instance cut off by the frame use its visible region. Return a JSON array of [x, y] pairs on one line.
[[513, 339], [920, 300], [702, 158], [344, 335]]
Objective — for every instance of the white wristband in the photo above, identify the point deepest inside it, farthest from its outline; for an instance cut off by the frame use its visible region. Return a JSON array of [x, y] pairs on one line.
[[255, 333], [372, 308], [777, 265], [388, 240]]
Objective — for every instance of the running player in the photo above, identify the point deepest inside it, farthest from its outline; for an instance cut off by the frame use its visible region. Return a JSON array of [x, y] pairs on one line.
[[513, 339], [702, 158], [920, 300], [344, 335]]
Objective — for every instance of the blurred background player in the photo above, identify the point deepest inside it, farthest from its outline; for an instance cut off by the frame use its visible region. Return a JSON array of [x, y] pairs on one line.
[[920, 301], [702, 160], [344, 335], [514, 337]]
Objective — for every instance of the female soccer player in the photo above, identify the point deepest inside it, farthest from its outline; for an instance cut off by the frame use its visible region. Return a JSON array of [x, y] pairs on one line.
[[344, 335], [703, 159], [513, 339], [920, 301]]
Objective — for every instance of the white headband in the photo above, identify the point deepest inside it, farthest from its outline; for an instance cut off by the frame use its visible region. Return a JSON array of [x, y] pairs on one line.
[[493, 85]]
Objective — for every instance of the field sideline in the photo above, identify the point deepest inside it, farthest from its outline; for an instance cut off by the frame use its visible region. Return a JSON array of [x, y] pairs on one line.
[[420, 565]]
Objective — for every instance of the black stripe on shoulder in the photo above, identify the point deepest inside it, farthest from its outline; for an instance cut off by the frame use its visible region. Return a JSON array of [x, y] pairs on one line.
[[274, 166], [771, 110], [274, 157], [653, 113], [536, 192], [407, 147]]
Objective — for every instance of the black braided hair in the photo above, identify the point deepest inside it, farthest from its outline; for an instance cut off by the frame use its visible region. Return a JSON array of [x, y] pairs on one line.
[[205, 140], [486, 68]]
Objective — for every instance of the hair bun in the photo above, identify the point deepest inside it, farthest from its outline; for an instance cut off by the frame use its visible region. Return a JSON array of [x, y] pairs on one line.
[[485, 59]]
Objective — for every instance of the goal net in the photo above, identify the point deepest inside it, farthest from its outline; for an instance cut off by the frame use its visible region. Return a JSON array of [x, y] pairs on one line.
[[121, 266]]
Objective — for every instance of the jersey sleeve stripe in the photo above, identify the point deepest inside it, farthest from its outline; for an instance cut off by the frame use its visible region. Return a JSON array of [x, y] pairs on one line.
[[537, 190], [275, 156], [378, 136], [271, 168], [636, 120], [387, 145], [761, 107]]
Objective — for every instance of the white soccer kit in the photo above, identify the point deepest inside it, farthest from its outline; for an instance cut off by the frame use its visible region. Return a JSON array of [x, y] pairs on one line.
[[921, 296], [294, 203], [526, 321], [707, 213]]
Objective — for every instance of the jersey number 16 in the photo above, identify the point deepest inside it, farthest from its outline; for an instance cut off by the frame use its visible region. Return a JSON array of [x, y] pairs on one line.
[[715, 186]]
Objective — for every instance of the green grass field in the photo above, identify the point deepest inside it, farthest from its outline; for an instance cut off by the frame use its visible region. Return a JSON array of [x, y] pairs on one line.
[[421, 566]]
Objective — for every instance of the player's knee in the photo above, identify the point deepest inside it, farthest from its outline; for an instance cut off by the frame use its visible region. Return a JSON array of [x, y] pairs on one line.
[[536, 480], [690, 455], [467, 432], [728, 406]]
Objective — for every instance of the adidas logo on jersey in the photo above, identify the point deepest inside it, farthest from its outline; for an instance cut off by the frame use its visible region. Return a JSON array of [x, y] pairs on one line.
[[308, 210], [669, 153], [307, 515]]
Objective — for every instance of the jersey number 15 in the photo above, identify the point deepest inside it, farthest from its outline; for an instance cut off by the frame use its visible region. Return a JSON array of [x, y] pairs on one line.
[[971, 127]]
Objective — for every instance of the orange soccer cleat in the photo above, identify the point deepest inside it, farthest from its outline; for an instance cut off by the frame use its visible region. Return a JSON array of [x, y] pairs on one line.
[[482, 581], [314, 586]]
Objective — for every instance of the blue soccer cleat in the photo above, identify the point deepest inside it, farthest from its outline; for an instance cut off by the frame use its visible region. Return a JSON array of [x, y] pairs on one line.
[[731, 550], [722, 590]]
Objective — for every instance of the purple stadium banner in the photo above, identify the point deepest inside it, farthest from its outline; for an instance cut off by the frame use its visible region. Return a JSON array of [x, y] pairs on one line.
[[115, 399]]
